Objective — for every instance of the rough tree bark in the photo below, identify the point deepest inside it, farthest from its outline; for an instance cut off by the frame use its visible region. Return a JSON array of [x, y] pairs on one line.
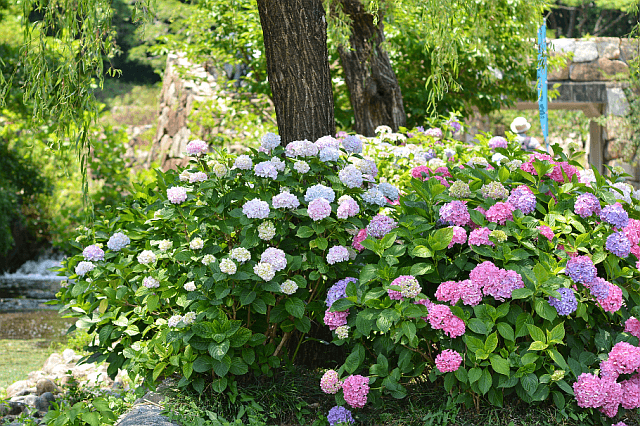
[[295, 41], [375, 94]]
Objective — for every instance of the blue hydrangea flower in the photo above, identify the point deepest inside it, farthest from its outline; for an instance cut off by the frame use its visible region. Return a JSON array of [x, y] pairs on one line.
[[523, 199], [374, 196], [319, 191], [329, 154], [599, 289], [352, 144], [567, 303], [339, 415], [389, 191], [351, 177], [615, 215], [338, 290], [618, 244], [581, 269]]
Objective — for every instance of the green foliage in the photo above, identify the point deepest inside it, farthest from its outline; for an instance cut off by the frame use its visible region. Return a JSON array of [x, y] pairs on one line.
[[234, 322]]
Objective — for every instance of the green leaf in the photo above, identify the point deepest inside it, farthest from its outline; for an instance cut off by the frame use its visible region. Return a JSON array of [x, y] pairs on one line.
[[506, 331], [545, 310], [321, 243], [536, 333], [558, 358], [238, 367], [538, 346], [355, 358], [219, 350], [340, 305], [474, 374], [484, 384], [91, 417], [221, 367], [368, 273], [304, 232], [477, 326], [247, 297], [158, 369], [556, 335], [529, 383], [420, 251], [203, 364], [521, 293], [491, 343], [418, 269], [500, 365], [295, 307], [187, 369], [473, 343], [441, 239], [219, 385], [152, 302], [558, 399], [240, 337]]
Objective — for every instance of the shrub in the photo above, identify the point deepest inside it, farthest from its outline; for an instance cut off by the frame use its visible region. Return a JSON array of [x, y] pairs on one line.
[[499, 282], [210, 271]]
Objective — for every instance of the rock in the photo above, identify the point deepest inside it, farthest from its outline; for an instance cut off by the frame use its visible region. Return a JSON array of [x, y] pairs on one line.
[[559, 74], [585, 51], [65, 380], [45, 385], [69, 356], [628, 50], [30, 400], [34, 376], [53, 361], [602, 69], [43, 401], [61, 370], [17, 388], [145, 415], [563, 45], [13, 408], [617, 103], [608, 47]]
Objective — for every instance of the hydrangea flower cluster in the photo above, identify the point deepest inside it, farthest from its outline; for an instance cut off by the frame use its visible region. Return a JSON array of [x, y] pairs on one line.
[[318, 209], [455, 213], [335, 319], [546, 232], [266, 169], [347, 207], [264, 270], [93, 253], [289, 287], [352, 144], [618, 244], [270, 141], [301, 167], [197, 147], [302, 148], [374, 196], [285, 200], [615, 215], [440, 317], [338, 290], [459, 189], [586, 205], [243, 162], [330, 382], [319, 191], [448, 361], [150, 282], [351, 177], [498, 142], [632, 326], [227, 266], [389, 191], [256, 209], [451, 291], [358, 238], [409, 288], [495, 281], [459, 236], [337, 254], [177, 194], [266, 230], [339, 415], [146, 257], [581, 269], [275, 257], [84, 267], [118, 241], [495, 190], [380, 226], [567, 304], [355, 390], [500, 213], [522, 198], [480, 236]]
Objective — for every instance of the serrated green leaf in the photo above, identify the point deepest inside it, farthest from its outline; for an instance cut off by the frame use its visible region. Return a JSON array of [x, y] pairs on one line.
[[500, 365]]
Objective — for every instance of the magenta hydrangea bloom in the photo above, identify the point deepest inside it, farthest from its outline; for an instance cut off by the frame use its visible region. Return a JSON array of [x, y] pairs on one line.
[[319, 209], [330, 382], [335, 319], [459, 236], [632, 326], [93, 253], [417, 172], [630, 394], [485, 273], [197, 147], [588, 391], [625, 358], [522, 198], [480, 236], [500, 213], [448, 360], [455, 213], [546, 231], [632, 231], [611, 396], [497, 142], [355, 390], [440, 317], [358, 238], [176, 194], [501, 285], [380, 226], [613, 302], [586, 205]]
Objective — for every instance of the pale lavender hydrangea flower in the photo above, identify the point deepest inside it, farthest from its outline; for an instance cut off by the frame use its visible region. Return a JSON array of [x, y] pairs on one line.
[[256, 209], [347, 207], [150, 282], [389, 191], [197, 147], [266, 170], [275, 257], [329, 154], [243, 162], [176, 194], [327, 142], [301, 167], [380, 226], [84, 267], [618, 244], [118, 241], [278, 164], [374, 196], [351, 177], [497, 142], [567, 303], [319, 209], [93, 253], [319, 191], [197, 177], [352, 144], [302, 148], [285, 200], [337, 254], [269, 141]]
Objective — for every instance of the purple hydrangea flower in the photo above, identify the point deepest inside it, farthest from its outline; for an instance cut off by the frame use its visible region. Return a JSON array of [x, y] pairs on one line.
[[93, 253], [523, 199], [455, 125], [615, 215], [339, 415], [265, 169], [618, 244], [586, 205], [338, 290], [567, 303], [497, 142], [581, 269], [352, 144], [455, 213], [599, 288], [380, 226]]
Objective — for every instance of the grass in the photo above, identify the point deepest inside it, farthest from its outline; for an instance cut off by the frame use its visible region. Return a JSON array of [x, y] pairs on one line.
[[19, 357]]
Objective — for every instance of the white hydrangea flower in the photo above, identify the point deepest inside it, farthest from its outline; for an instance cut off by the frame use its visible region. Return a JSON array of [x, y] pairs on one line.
[[381, 130], [174, 321], [164, 245], [184, 176], [514, 165], [208, 259], [196, 244], [228, 266], [264, 270], [219, 169], [240, 254], [190, 286], [277, 163], [342, 332], [146, 257], [266, 230], [497, 158], [301, 167], [83, 267], [243, 162], [189, 318], [434, 163], [288, 287]]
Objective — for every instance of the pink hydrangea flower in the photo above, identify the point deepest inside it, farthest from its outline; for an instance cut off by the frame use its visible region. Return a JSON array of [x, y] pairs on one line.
[[500, 213], [630, 393], [416, 172], [546, 231], [455, 212], [448, 360], [632, 326], [176, 194], [360, 237], [440, 317], [93, 253], [448, 292], [348, 208], [459, 236], [197, 147], [319, 209], [588, 391], [330, 382], [480, 236], [355, 389], [625, 358], [613, 302], [337, 254], [335, 319], [611, 398]]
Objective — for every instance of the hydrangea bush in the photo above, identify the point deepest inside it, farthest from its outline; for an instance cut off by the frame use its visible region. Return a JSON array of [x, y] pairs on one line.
[[216, 270], [516, 277]]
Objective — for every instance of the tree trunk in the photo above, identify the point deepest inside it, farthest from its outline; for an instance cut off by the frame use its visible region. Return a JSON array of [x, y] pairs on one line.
[[295, 42], [376, 98]]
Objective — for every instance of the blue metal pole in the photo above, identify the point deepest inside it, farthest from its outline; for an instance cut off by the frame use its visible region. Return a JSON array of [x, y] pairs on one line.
[[543, 101]]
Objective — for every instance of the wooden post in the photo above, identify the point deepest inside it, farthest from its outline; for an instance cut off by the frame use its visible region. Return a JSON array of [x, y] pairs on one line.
[[596, 145]]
